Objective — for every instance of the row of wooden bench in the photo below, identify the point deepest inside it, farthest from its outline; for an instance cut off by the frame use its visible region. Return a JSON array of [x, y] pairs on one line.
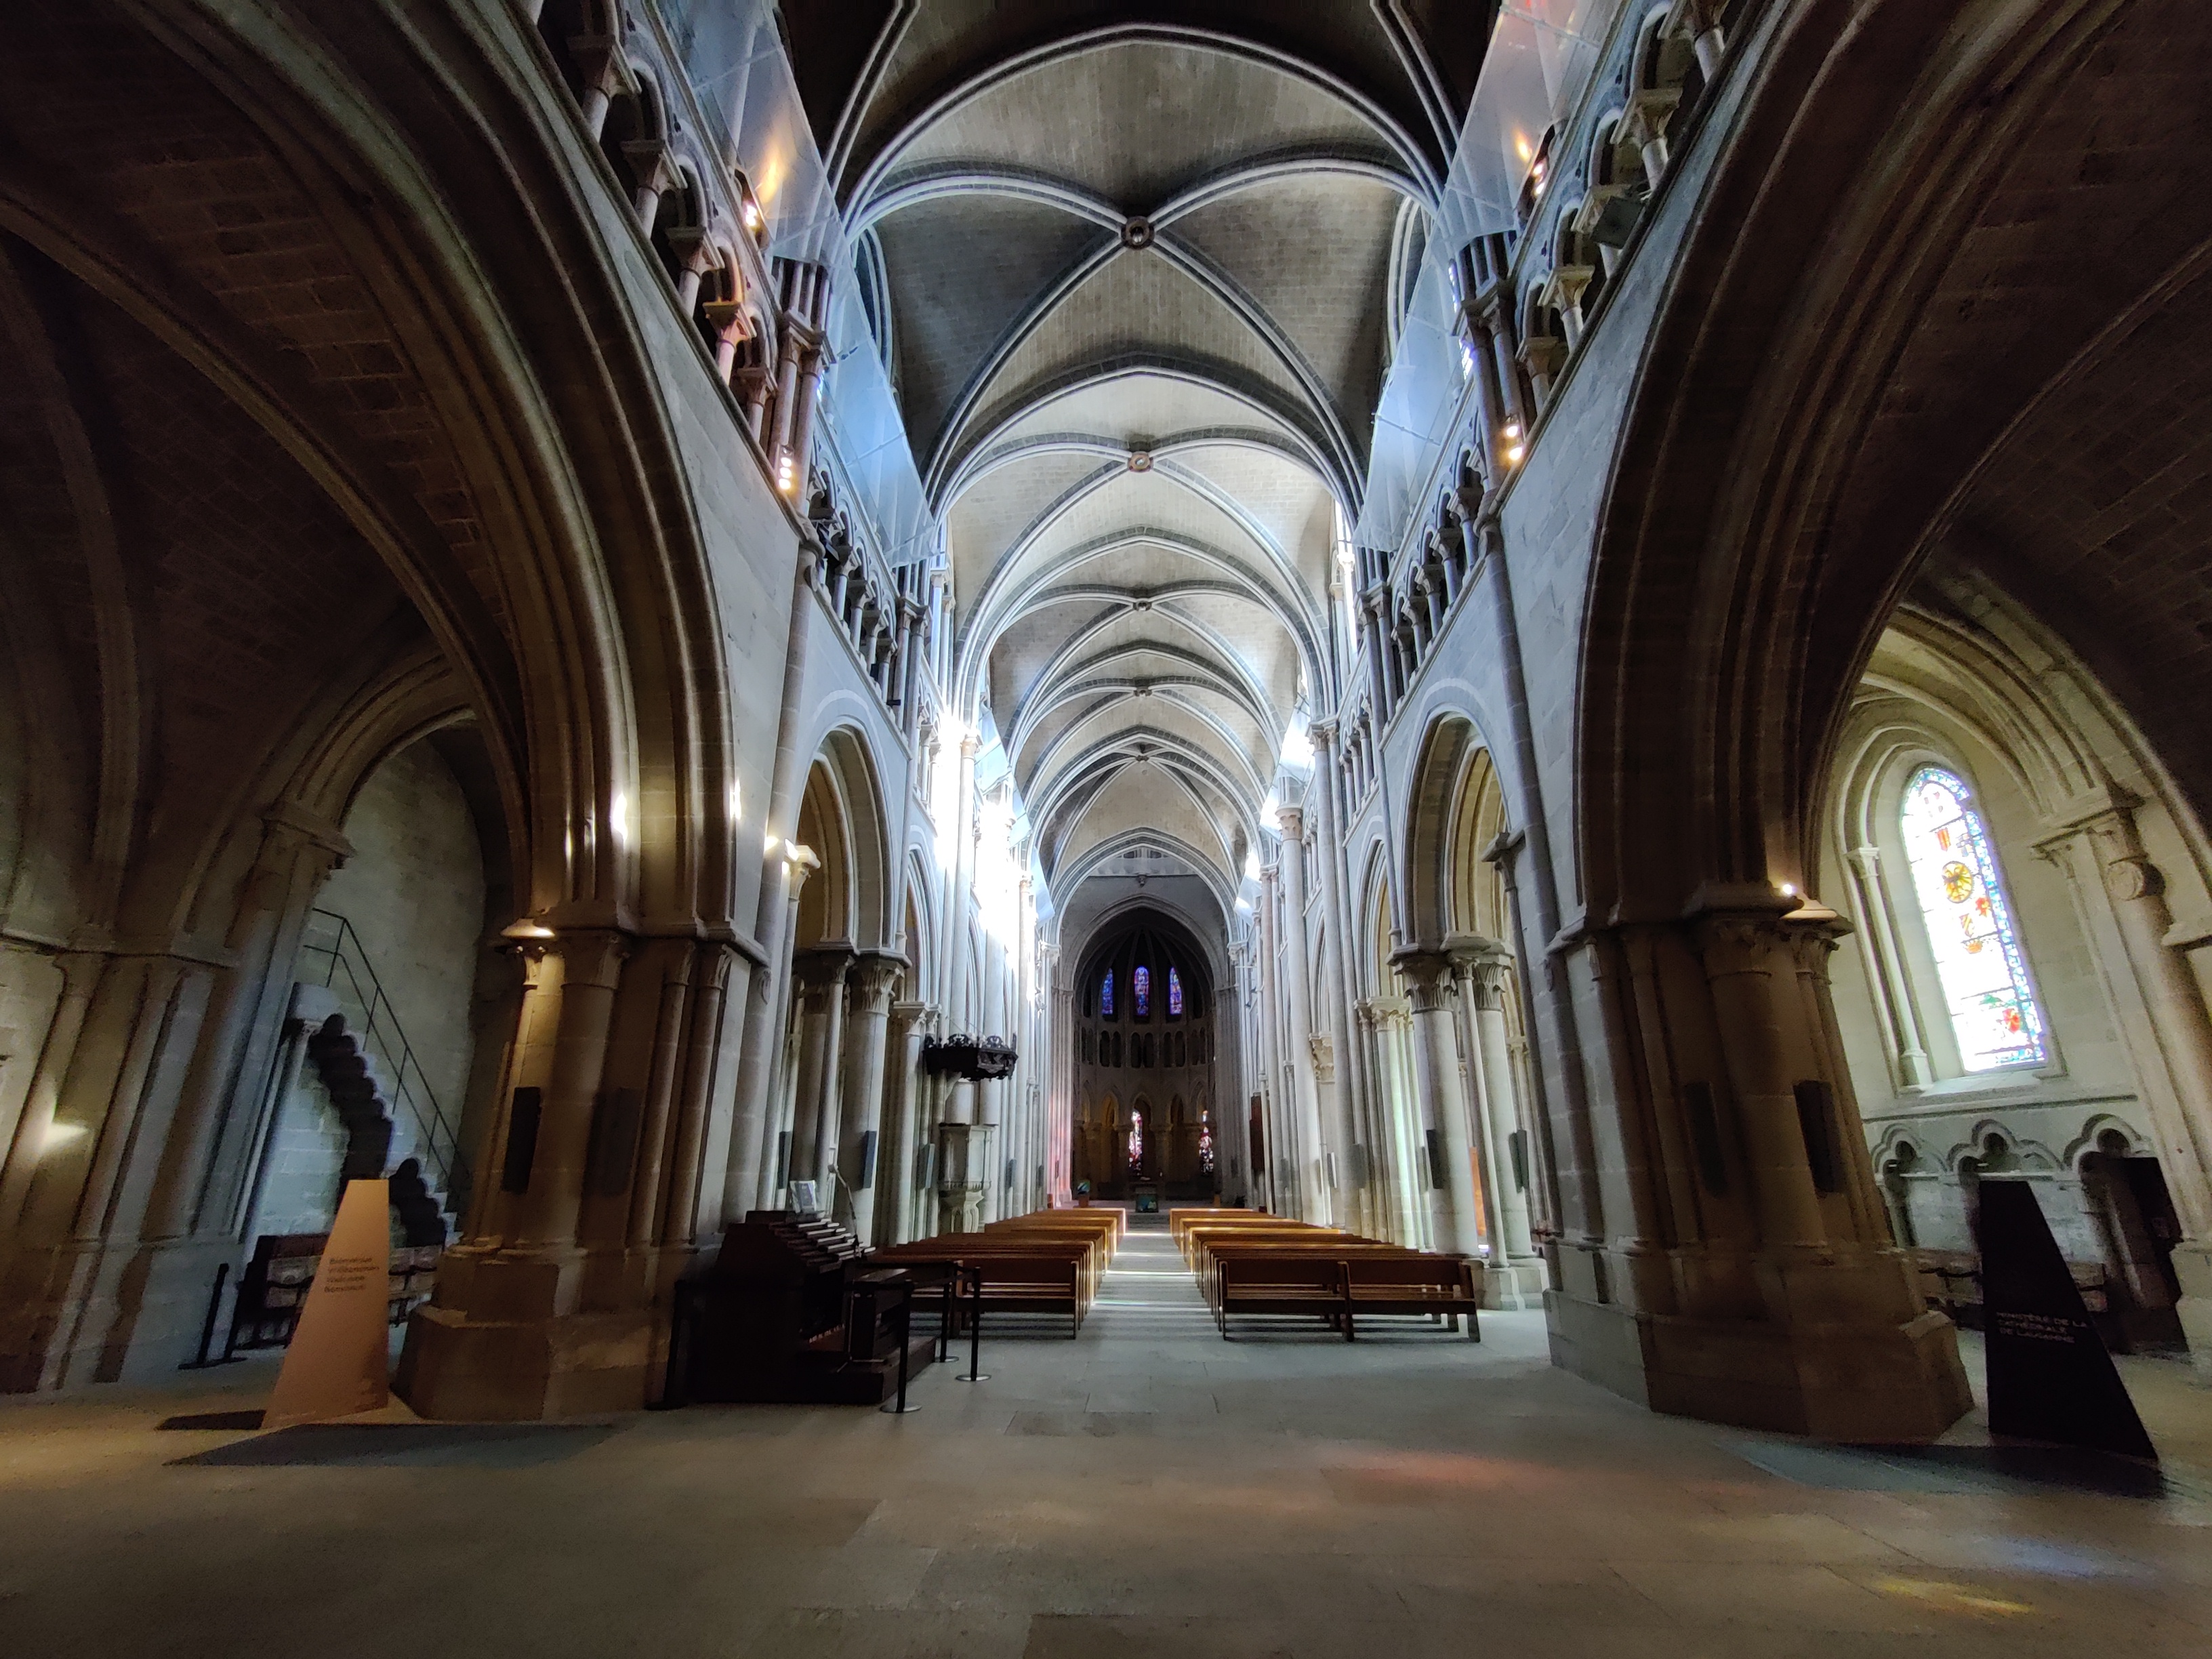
[[1050, 1261], [1252, 1264]]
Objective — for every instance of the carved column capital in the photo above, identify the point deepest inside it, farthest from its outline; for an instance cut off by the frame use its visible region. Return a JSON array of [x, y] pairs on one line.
[[1742, 942], [1427, 975], [821, 968], [873, 976]]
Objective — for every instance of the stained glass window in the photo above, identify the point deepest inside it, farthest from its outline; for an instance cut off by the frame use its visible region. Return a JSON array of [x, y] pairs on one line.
[[1978, 954], [1175, 994], [1106, 994], [1137, 1134], [1206, 1142], [1140, 991]]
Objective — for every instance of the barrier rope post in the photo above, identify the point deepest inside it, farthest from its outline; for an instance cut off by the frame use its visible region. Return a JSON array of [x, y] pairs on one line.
[[898, 1408], [974, 1372]]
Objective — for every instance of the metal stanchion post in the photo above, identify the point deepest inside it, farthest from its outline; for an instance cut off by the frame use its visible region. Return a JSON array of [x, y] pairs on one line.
[[974, 1373], [899, 1407], [206, 1330]]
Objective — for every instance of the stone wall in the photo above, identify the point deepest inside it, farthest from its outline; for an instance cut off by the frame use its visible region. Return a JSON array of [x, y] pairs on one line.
[[413, 890]]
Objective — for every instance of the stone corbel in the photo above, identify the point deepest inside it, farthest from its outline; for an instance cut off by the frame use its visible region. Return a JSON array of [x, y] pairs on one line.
[[1543, 355], [695, 257], [1698, 22], [654, 165], [1650, 113], [606, 76], [1564, 289], [1608, 216], [1324, 1057]]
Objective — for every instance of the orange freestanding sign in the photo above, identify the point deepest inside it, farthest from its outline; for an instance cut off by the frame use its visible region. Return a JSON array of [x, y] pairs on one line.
[[338, 1363]]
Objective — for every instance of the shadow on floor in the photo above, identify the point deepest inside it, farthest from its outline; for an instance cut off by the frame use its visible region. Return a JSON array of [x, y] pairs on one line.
[[366, 1445], [2003, 1471]]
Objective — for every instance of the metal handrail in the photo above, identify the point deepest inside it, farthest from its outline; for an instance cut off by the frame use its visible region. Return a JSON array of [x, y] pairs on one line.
[[437, 1142]]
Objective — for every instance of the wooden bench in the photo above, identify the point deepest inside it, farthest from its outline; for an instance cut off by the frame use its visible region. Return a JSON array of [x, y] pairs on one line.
[[1209, 1273], [1278, 1285], [1200, 1236], [1029, 1275], [1429, 1285]]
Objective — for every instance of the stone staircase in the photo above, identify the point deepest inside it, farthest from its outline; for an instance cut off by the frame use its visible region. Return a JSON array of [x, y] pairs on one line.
[[380, 1139]]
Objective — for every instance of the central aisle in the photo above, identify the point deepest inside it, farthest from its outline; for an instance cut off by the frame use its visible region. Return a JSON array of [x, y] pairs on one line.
[[1143, 1489], [1148, 1294]]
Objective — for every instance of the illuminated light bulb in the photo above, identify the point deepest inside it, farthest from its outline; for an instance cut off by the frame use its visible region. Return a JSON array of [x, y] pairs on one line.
[[1513, 455], [1790, 890], [618, 817], [1512, 429], [737, 803], [787, 474], [752, 215]]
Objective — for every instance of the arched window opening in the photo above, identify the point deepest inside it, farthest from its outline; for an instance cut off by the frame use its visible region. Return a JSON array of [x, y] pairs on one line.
[[1206, 1142], [1140, 991], [1136, 1140], [1106, 995], [1175, 994], [1986, 992]]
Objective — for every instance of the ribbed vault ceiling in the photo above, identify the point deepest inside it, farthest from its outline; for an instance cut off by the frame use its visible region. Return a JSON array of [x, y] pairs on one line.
[[1132, 268]]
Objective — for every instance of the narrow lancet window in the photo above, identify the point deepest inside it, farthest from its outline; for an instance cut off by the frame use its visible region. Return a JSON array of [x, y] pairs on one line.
[[1140, 991], [1969, 930], [1175, 994], [1106, 995]]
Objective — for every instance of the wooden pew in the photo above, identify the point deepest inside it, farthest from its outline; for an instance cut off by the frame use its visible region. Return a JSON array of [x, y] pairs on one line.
[[1263, 1283], [1030, 1275], [1411, 1285]]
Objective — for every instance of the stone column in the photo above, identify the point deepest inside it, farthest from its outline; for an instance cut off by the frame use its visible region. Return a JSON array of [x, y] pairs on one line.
[[1343, 1101], [1285, 1190], [872, 980], [2170, 1041], [1395, 1128], [1749, 966], [752, 1167], [1488, 975], [960, 900], [1443, 1107], [818, 1021], [895, 1160], [1316, 1201], [244, 1022], [510, 1333], [1894, 1005]]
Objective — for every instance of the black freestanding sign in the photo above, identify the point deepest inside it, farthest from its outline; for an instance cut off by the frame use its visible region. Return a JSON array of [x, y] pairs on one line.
[[2050, 1376]]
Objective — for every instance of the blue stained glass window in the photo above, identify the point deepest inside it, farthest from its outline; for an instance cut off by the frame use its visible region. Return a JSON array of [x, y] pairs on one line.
[[1175, 994], [1106, 994], [1978, 956], [1140, 991]]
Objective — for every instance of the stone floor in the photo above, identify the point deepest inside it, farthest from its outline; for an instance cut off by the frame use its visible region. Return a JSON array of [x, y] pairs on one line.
[[1145, 1489]]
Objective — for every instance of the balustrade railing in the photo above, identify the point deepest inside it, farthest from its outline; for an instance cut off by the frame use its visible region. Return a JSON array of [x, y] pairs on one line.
[[331, 955]]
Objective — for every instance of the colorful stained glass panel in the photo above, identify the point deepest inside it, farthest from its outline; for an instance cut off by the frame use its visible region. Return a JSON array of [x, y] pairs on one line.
[[1978, 956], [1175, 994], [1106, 995], [1140, 991]]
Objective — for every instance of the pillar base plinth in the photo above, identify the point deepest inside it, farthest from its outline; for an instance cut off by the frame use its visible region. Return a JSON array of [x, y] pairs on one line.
[[1515, 1285], [1895, 1382], [2192, 1268], [504, 1342]]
